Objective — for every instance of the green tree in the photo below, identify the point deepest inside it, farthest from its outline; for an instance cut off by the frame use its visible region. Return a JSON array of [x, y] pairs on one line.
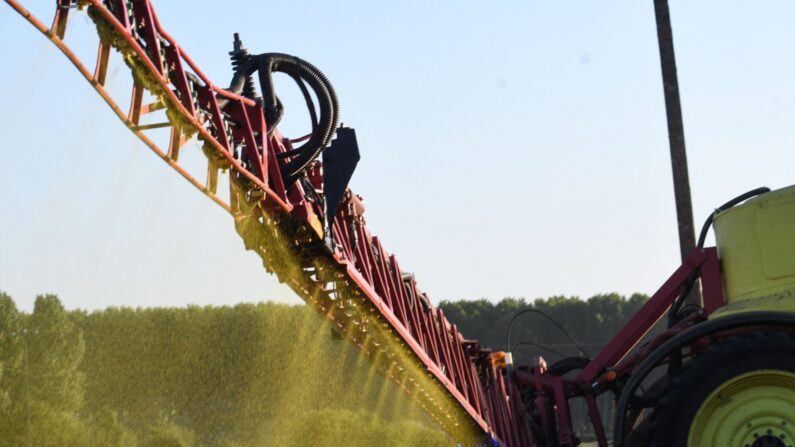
[[55, 348], [45, 386], [109, 431], [11, 358]]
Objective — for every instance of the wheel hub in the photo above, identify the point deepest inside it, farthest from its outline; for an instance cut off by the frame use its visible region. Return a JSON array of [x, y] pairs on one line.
[[755, 409], [768, 441]]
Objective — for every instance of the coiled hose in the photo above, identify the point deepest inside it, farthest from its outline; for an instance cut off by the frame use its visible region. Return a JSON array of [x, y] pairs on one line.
[[303, 73]]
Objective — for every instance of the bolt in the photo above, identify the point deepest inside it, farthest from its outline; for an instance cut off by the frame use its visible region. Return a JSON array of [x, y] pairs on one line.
[[769, 431], [756, 435]]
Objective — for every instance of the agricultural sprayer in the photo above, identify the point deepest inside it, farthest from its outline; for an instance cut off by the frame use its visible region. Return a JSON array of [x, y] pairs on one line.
[[716, 373]]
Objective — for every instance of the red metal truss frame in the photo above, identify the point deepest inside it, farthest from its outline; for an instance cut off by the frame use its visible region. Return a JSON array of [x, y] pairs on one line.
[[162, 67], [623, 353]]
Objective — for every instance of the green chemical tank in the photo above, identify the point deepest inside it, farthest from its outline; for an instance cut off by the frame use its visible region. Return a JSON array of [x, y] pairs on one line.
[[756, 245]]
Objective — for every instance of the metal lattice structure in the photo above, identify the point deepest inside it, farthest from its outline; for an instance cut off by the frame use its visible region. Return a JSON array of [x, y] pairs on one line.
[[354, 281]]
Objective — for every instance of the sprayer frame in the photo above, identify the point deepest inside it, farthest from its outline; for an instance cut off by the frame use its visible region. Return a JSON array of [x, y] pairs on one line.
[[617, 362]]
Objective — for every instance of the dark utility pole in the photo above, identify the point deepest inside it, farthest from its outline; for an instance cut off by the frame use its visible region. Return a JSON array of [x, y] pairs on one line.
[[676, 135]]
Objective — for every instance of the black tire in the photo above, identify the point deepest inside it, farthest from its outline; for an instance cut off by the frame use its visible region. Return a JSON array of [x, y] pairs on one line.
[[698, 378]]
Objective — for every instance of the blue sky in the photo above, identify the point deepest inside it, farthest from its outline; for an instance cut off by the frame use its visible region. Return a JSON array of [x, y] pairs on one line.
[[508, 148]]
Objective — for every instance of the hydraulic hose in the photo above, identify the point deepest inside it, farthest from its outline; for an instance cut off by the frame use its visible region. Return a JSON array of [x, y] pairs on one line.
[[303, 73], [673, 314]]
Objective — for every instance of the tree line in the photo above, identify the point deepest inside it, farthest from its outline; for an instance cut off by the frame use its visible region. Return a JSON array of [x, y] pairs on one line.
[[588, 323], [246, 375], [249, 375]]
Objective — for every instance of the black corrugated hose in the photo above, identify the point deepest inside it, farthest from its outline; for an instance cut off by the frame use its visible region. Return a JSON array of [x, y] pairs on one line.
[[301, 71]]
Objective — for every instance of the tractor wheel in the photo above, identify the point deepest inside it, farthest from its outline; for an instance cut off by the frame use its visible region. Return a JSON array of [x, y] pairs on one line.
[[739, 393]]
